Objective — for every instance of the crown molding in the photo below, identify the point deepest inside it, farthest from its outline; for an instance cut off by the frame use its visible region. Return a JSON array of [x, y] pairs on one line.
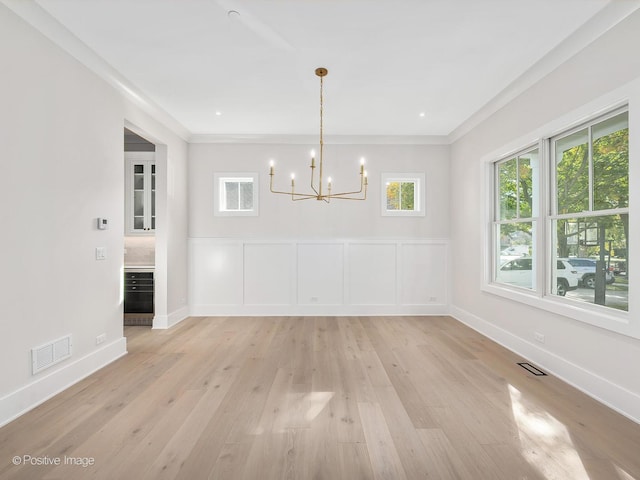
[[328, 140], [595, 27], [41, 20]]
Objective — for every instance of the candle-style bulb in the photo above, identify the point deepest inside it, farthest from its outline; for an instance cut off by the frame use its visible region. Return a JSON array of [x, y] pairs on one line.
[[329, 180], [313, 154], [361, 160]]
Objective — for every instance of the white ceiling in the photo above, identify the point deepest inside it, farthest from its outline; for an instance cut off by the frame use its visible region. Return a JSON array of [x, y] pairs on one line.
[[388, 60]]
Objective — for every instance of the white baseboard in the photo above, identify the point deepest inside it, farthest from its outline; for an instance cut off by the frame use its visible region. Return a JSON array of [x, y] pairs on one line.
[[46, 386], [316, 310], [162, 322], [610, 394]]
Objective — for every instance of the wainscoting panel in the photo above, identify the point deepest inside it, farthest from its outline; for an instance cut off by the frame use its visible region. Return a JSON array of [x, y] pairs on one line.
[[318, 277], [268, 273], [320, 274], [372, 274], [215, 273], [423, 274]]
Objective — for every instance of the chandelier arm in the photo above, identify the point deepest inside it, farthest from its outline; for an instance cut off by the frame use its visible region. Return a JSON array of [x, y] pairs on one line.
[[349, 198], [345, 195], [306, 195], [313, 168], [341, 194], [362, 188], [296, 194]]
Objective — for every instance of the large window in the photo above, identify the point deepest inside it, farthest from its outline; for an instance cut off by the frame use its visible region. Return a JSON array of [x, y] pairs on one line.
[[516, 210], [590, 208], [583, 222]]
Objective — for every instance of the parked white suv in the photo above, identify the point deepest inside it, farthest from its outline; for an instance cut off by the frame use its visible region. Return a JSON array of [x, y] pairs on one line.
[[518, 272], [586, 267]]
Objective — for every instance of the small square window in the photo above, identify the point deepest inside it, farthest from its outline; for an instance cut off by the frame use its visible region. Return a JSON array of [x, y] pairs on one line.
[[403, 194], [236, 194]]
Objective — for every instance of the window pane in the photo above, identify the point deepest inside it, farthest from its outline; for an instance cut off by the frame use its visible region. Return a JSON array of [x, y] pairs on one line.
[[231, 196], [138, 223], [572, 172], [507, 189], [138, 203], [527, 189], [246, 195], [515, 264], [138, 182], [407, 194], [393, 196], [583, 243], [611, 163]]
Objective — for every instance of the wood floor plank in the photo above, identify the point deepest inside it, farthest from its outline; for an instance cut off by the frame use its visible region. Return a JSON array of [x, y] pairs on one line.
[[385, 461], [355, 463], [405, 436], [299, 398]]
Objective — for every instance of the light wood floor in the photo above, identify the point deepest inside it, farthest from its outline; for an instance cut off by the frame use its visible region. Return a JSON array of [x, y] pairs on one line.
[[321, 398]]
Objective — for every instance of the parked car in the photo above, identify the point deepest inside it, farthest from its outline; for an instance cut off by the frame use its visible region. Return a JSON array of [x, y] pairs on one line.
[[586, 267], [518, 272]]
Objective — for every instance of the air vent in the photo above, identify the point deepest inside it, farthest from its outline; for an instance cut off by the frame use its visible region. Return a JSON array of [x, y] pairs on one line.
[[530, 368], [49, 354]]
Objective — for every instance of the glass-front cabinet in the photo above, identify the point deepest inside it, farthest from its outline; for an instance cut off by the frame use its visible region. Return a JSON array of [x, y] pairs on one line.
[[141, 192]]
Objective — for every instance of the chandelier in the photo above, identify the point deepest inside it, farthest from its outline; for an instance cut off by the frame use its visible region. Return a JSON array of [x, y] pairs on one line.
[[317, 191]]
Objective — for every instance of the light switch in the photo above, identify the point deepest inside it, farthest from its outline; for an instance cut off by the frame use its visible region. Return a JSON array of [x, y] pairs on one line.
[[101, 253]]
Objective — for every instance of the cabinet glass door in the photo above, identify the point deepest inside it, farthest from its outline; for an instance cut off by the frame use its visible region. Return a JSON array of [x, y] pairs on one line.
[[138, 196], [141, 193]]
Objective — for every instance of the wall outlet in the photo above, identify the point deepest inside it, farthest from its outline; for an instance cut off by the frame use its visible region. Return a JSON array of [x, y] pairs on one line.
[[101, 338], [539, 337]]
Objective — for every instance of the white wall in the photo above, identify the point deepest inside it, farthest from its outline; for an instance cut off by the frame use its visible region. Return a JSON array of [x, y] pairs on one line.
[[61, 167], [309, 257], [596, 360], [280, 217]]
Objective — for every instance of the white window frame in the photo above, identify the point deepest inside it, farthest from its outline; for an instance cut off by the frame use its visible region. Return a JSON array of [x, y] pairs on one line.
[[607, 318], [219, 193], [534, 219], [419, 194]]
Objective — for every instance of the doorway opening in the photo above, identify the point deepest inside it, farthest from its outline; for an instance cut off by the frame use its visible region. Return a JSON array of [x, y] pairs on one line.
[[140, 227]]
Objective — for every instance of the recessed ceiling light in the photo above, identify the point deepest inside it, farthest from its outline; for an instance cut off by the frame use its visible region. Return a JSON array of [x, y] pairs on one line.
[[421, 114], [218, 113], [233, 15]]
